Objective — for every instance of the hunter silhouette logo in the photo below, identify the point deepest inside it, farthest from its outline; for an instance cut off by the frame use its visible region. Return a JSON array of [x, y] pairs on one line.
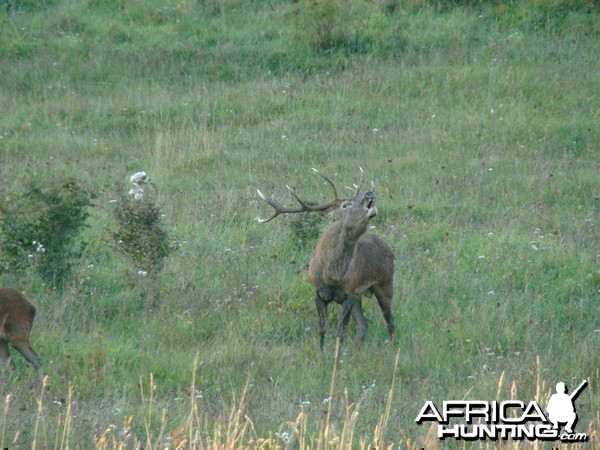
[[472, 420], [561, 408]]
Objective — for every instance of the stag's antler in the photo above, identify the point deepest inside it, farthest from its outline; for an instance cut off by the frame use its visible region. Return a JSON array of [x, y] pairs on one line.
[[356, 186], [304, 207]]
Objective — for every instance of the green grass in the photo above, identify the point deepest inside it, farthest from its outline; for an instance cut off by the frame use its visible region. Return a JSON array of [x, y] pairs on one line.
[[479, 126]]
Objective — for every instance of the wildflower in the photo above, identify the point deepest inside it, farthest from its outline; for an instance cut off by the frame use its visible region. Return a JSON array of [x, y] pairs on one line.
[[142, 273], [140, 178], [39, 247], [285, 436]]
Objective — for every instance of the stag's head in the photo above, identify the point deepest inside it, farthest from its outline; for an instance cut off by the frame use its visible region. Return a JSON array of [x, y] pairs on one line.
[[354, 214]]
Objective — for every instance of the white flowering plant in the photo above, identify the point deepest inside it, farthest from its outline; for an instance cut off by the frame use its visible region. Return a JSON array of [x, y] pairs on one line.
[[140, 235]]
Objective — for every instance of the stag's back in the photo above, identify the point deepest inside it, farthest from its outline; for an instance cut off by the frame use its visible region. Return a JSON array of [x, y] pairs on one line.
[[372, 266]]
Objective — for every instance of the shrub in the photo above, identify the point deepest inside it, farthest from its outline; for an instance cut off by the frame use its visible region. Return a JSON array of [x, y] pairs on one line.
[[305, 230], [334, 25], [40, 228], [28, 5], [140, 235]]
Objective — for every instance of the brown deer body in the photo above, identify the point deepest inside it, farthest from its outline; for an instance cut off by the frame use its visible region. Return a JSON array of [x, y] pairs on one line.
[[348, 262], [16, 319]]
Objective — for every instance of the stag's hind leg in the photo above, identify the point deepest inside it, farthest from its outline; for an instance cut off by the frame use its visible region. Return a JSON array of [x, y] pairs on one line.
[[384, 298], [361, 323], [28, 353]]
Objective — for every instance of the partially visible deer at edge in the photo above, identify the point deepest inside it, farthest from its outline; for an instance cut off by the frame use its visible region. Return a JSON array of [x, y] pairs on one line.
[[348, 262], [16, 319]]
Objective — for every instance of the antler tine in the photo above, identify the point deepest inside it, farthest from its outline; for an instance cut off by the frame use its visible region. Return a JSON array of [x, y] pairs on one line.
[[270, 202], [331, 183], [298, 199], [356, 186], [360, 180]]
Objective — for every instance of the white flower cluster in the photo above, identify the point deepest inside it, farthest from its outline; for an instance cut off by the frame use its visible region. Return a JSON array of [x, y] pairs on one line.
[[139, 179], [39, 247]]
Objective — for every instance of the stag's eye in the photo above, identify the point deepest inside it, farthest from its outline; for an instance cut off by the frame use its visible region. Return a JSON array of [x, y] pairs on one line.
[[346, 204]]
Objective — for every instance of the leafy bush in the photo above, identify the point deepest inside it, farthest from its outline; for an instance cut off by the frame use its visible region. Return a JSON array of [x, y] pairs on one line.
[[28, 5], [40, 227], [140, 235], [330, 25], [305, 230]]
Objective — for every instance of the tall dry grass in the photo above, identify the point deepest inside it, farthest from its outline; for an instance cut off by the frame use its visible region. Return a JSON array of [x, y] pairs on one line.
[[236, 430]]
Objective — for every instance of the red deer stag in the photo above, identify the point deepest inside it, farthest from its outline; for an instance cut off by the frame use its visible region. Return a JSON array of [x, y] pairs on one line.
[[347, 262], [16, 319]]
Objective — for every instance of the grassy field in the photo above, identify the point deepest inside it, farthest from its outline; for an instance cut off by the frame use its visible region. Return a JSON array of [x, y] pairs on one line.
[[477, 122]]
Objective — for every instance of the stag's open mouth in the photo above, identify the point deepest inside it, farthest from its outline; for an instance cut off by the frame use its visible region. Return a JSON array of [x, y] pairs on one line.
[[371, 208]]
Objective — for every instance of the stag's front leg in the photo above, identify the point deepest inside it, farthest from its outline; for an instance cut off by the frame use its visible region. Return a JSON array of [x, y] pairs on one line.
[[347, 306], [5, 359], [322, 311]]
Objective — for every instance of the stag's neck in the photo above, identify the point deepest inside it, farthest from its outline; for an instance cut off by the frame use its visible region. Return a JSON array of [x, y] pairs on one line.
[[340, 251]]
